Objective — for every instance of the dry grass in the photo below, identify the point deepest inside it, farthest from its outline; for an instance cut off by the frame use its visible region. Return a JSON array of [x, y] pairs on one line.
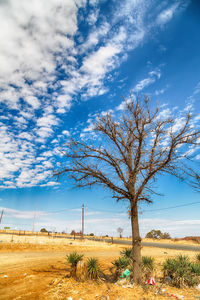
[[37, 269]]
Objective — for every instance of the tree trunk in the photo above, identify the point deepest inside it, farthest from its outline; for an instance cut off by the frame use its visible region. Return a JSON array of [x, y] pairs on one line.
[[136, 244]]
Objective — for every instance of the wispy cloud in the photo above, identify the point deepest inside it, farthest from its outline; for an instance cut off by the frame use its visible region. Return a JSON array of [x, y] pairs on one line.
[[167, 14], [41, 77], [153, 76]]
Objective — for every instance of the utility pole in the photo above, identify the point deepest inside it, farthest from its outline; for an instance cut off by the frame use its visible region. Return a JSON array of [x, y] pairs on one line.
[[1, 215], [33, 229], [82, 220]]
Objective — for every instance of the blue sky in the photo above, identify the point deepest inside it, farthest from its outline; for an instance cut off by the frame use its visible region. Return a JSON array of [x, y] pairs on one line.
[[62, 62]]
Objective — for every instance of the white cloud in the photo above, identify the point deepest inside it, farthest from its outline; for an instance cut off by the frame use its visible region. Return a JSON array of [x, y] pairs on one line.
[[153, 76], [47, 120], [167, 14], [99, 62], [27, 30], [66, 132], [93, 16], [197, 89], [25, 135], [33, 63], [160, 92], [164, 114]]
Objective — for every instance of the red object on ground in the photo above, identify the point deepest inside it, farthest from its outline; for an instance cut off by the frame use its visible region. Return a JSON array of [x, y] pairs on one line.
[[151, 281]]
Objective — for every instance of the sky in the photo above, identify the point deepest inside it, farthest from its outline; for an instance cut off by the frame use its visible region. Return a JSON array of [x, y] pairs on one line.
[[62, 62]]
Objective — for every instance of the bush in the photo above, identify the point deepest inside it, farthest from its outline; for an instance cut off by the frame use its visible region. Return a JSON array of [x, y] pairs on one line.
[[43, 230], [121, 263], [93, 268], [181, 271], [198, 257], [127, 252], [165, 235], [157, 234], [147, 266], [195, 269], [148, 263], [73, 259]]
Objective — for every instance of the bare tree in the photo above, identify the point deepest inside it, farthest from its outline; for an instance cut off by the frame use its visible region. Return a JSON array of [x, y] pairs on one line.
[[132, 153], [120, 230]]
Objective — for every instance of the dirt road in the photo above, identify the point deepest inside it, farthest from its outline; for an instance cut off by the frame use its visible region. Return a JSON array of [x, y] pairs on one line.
[[30, 273], [38, 271]]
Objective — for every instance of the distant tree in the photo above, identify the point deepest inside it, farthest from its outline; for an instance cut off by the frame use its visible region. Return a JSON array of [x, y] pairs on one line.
[[91, 234], [120, 231], [43, 230], [129, 155], [157, 234], [166, 235], [73, 232], [154, 234]]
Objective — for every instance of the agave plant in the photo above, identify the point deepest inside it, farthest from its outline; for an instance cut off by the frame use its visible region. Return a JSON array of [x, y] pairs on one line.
[[183, 260], [73, 259], [169, 267], [93, 268], [195, 268], [147, 265], [198, 257], [127, 252], [181, 271], [121, 263]]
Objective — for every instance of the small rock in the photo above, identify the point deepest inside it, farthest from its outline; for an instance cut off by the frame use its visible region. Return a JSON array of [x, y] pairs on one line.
[[5, 276], [69, 298]]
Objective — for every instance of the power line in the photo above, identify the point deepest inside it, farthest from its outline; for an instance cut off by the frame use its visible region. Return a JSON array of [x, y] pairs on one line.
[[171, 207]]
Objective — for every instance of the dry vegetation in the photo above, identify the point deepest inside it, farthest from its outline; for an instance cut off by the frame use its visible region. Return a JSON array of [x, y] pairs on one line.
[[37, 269]]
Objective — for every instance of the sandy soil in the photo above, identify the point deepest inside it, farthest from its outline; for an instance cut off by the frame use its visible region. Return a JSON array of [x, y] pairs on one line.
[[36, 268]]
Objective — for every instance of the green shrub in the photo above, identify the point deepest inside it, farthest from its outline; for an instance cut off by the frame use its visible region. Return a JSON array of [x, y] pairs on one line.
[[181, 271], [121, 263], [147, 266], [73, 259], [93, 268], [127, 252], [195, 268], [198, 257], [148, 263]]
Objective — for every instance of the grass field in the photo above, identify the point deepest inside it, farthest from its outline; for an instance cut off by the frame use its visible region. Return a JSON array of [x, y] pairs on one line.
[[35, 267]]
